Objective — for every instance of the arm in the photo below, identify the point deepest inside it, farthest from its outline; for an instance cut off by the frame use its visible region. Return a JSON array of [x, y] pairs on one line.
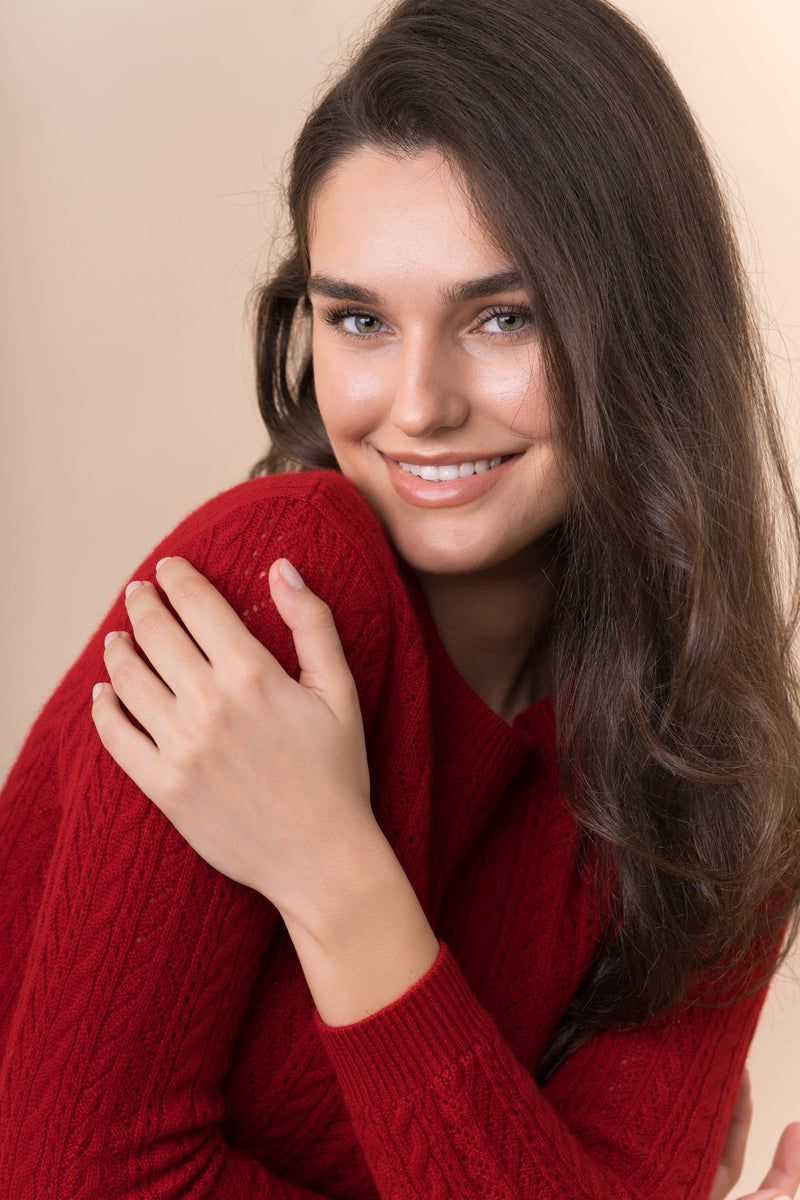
[[310, 842], [439, 1102], [133, 962]]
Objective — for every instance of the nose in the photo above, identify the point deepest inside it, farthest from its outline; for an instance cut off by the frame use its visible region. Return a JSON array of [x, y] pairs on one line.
[[429, 388]]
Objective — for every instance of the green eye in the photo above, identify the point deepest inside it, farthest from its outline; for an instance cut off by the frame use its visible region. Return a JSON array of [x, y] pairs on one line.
[[506, 320], [510, 322], [361, 323]]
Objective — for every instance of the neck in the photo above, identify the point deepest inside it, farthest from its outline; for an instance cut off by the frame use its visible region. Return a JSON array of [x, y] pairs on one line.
[[491, 624]]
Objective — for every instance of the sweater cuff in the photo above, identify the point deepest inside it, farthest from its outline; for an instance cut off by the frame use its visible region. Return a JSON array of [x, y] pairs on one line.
[[411, 1041]]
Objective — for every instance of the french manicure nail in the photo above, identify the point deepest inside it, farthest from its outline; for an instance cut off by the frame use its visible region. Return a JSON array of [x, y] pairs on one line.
[[97, 690], [132, 586], [161, 562], [115, 633], [291, 574]]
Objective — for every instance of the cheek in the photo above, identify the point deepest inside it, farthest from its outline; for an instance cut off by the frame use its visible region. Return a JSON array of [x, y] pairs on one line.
[[513, 387], [349, 392]]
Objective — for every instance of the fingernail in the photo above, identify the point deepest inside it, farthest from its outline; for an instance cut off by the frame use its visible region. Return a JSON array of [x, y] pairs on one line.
[[161, 562], [136, 583], [291, 574], [97, 690], [115, 633]]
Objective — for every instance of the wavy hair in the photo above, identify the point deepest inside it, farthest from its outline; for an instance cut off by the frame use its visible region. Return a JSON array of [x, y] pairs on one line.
[[675, 685]]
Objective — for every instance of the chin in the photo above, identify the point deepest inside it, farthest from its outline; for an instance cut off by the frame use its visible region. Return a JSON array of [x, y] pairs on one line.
[[449, 557]]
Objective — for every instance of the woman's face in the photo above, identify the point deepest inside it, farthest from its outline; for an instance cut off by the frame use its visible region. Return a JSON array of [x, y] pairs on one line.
[[427, 367]]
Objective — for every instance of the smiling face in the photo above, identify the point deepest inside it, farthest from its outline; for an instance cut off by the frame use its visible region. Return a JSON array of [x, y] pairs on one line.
[[427, 367]]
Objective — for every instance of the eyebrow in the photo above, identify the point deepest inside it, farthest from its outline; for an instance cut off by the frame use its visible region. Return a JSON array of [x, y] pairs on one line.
[[456, 293]]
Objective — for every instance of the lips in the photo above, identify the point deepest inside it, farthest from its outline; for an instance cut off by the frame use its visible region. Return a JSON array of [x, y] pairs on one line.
[[446, 483]]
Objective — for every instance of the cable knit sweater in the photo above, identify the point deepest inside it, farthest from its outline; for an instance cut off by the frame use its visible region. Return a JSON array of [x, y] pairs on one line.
[[157, 1036]]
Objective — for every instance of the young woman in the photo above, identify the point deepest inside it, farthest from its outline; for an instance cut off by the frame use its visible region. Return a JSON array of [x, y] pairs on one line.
[[512, 939]]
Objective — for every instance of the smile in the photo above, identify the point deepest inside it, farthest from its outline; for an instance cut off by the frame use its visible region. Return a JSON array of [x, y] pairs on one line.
[[450, 471], [447, 484]]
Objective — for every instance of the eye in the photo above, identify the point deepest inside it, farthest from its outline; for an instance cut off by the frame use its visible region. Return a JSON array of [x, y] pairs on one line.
[[511, 322], [507, 320], [360, 324], [352, 322]]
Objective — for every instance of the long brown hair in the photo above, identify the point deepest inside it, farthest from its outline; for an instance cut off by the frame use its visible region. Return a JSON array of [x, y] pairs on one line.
[[677, 694]]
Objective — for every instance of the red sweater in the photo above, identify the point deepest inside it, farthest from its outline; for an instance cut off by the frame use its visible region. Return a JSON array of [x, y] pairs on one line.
[[157, 1036]]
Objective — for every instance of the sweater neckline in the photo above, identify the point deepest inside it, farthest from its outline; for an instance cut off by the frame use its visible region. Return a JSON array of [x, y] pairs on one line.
[[533, 725]]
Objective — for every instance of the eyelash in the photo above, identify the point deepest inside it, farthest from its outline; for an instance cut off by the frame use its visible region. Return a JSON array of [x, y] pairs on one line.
[[510, 310], [336, 316]]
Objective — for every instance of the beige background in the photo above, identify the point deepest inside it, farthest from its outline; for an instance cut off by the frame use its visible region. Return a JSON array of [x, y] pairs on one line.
[[141, 140]]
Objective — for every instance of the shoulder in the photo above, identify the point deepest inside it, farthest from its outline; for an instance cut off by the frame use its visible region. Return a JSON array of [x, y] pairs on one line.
[[316, 516], [317, 519], [322, 524], [325, 527], [323, 496]]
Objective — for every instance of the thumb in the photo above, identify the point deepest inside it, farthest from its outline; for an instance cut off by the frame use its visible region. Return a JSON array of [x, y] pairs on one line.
[[323, 667]]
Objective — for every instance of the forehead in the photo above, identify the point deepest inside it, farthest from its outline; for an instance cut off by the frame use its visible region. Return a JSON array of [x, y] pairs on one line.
[[378, 210]]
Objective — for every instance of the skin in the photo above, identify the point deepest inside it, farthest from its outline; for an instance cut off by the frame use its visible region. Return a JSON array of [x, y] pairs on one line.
[[427, 372], [783, 1178], [223, 721]]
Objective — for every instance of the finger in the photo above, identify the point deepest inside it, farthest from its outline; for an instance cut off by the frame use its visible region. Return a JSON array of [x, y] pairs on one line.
[[131, 749], [733, 1152], [770, 1194], [323, 666], [166, 643], [215, 626], [784, 1174], [144, 694]]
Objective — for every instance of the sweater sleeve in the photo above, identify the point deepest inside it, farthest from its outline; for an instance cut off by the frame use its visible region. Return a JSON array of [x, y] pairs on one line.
[[128, 962], [443, 1109]]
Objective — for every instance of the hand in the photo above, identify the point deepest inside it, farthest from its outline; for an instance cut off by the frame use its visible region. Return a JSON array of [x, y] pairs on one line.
[[265, 777], [783, 1177]]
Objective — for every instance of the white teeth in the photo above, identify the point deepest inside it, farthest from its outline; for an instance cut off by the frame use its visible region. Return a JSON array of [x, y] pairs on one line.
[[452, 470]]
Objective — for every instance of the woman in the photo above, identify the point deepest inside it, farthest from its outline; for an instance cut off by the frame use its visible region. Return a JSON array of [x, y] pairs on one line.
[[534, 965]]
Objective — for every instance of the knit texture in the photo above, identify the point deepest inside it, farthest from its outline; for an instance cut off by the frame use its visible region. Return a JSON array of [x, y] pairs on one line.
[[158, 1039]]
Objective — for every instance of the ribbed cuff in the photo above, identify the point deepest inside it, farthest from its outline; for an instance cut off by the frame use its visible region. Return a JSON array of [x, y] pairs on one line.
[[405, 1045]]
